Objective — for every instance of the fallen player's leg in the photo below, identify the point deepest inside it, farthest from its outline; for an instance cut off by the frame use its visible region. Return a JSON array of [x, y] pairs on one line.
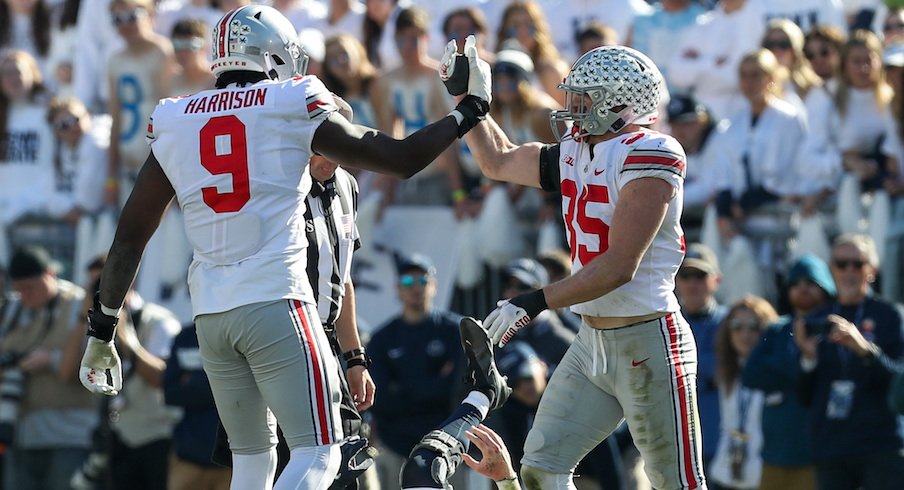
[[435, 458]]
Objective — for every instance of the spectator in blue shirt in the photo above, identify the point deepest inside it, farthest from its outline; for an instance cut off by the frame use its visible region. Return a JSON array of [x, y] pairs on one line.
[[846, 369], [787, 456], [417, 360], [696, 284]]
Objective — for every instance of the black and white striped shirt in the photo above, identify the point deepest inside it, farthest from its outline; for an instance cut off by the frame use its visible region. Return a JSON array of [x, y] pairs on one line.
[[332, 235]]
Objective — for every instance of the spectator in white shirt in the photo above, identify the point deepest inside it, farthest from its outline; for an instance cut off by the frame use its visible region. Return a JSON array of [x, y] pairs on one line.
[[807, 13], [759, 149], [710, 52], [80, 148], [26, 172]]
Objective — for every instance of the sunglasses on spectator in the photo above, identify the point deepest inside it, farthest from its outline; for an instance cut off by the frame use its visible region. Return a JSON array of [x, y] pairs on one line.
[[892, 27], [513, 30], [845, 263], [461, 34], [749, 325], [409, 280], [822, 53], [407, 40], [772, 45], [65, 123], [691, 275], [339, 59], [128, 17], [190, 44]]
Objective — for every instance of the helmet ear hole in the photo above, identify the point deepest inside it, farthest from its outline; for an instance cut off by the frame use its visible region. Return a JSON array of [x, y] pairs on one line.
[[276, 59]]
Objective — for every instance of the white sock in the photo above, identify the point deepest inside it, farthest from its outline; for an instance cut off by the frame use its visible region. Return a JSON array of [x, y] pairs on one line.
[[310, 468], [253, 471], [479, 401]]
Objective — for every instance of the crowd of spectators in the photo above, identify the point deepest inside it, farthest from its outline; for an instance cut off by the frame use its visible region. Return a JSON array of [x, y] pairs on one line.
[[792, 117]]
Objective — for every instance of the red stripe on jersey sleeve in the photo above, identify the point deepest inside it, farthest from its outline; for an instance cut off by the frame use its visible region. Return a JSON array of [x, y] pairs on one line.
[[654, 160]]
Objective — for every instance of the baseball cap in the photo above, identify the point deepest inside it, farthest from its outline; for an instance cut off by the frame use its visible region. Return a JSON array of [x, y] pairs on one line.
[[812, 268], [405, 263], [31, 261], [528, 271], [516, 360], [701, 257], [684, 108], [513, 60]]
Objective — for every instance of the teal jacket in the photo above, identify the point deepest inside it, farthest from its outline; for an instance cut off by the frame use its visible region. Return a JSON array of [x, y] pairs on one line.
[[772, 368]]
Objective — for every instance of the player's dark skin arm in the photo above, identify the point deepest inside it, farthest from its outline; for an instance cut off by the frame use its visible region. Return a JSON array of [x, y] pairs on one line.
[[362, 147], [139, 219]]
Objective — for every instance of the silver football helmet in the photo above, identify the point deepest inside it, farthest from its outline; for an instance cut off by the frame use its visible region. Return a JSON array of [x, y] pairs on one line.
[[608, 88], [258, 38]]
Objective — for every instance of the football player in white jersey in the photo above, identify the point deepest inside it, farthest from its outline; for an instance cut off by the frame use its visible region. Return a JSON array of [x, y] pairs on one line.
[[634, 358], [236, 159]]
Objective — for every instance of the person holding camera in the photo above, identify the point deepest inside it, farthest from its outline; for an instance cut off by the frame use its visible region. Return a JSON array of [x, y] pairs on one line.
[[787, 456], [46, 418], [845, 370]]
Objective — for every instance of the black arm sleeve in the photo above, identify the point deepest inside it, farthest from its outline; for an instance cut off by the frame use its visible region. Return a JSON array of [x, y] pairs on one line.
[[549, 168]]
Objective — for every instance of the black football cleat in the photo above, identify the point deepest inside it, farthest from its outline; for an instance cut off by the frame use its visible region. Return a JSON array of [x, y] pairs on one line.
[[481, 371]]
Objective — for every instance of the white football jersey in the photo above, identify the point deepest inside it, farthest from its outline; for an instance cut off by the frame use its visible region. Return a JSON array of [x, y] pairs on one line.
[[237, 159], [590, 187]]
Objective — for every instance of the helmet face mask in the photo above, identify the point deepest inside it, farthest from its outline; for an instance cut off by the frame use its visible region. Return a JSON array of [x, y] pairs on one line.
[[258, 38], [607, 89]]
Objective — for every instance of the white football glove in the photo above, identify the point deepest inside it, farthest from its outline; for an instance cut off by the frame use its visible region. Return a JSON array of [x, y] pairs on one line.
[[479, 75], [99, 357], [503, 322]]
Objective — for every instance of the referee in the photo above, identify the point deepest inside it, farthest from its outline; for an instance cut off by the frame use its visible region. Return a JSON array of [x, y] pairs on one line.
[[332, 233]]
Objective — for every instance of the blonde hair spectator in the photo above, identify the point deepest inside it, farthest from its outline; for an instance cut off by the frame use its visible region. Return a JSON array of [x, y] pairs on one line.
[[20, 79], [768, 64], [785, 39], [524, 21], [862, 39]]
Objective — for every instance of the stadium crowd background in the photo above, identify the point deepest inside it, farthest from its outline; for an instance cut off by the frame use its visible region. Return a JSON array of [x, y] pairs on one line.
[[791, 113]]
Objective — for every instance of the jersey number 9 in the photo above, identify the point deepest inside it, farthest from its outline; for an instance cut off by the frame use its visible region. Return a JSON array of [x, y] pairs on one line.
[[224, 150]]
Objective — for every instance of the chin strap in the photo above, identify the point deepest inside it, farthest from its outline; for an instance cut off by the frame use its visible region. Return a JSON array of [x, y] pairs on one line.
[[270, 71]]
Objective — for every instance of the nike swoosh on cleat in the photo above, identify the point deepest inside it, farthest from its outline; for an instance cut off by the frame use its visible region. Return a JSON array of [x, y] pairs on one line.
[[638, 363]]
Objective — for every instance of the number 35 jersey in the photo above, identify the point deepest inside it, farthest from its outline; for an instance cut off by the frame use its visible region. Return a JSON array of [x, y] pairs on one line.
[[237, 159], [590, 184]]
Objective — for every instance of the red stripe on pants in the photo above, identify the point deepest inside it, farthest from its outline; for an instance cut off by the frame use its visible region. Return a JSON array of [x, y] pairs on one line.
[[319, 399], [682, 403]]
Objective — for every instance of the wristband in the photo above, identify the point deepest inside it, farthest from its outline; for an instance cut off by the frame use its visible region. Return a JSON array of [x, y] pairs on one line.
[[100, 325], [364, 362], [533, 302], [469, 112], [349, 355]]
